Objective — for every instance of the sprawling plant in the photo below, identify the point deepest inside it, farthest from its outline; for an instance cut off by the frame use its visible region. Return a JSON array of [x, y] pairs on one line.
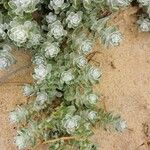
[[62, 111]]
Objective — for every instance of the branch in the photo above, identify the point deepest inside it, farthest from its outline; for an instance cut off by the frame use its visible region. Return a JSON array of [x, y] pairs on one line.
[[55, 140], [62, 138]]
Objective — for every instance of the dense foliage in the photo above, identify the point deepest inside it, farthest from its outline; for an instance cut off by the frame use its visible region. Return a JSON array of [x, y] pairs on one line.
[[62, 111]]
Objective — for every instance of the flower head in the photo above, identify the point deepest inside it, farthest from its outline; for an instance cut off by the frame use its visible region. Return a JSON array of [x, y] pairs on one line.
[[92, 115], [57, 30], [41, 98], [21, 6], [111, 36], [71, 123], [17, 115], [94, 73], [67, 76], [28, 90], [92, 98], [74, 19], [51, 49], [38, 60], [2, 31], [144, 24], [34, 40], [80, 61], [50, 18], [40, 72], [120, 125], [6, 59], [86, 46], [57, 3], [116, 4], [24, 139], [18, 34]]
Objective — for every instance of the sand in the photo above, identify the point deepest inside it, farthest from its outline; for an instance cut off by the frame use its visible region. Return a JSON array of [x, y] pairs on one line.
[[124, 88]]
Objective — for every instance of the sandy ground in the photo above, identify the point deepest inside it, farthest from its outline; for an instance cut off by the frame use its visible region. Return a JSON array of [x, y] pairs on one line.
[[124, 88]]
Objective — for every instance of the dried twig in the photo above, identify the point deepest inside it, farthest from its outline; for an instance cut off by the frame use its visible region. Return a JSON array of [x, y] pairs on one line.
[[55, 140]]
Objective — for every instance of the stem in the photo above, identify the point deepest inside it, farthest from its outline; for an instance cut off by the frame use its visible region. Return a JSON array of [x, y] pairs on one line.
[[55, 140], [62, 138]]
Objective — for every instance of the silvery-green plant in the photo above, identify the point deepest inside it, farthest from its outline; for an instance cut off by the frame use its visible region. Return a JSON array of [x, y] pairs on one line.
[[21, 6], [144, 24], [60, 35], [17, 115], [28, 90], [57, 30], [116, 4], [6, 58], [24, 139], [51, 49], [111, 36], [74, 19]]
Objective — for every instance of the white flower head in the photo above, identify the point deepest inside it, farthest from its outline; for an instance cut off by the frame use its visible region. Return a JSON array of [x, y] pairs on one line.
[[94, 73], [38, 60], [115, 38], [24, 139], [41, 98], [23, 5], [67, 76], [6, 59], [111, 36], [71, 123], [34, 40], [92, 98], [50, 18], [86, 46], [120, 125], [74, 19], [2, 32], [116, 4], [92, 115], [4, 63], [144, 25], [17, 115], [51, 49], [81, 61], [58, 3], [41, 72], [28, 90], [18, 34], [57, 30]]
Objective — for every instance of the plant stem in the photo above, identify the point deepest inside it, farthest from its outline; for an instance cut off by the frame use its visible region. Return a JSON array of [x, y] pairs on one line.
[[62, 138]]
